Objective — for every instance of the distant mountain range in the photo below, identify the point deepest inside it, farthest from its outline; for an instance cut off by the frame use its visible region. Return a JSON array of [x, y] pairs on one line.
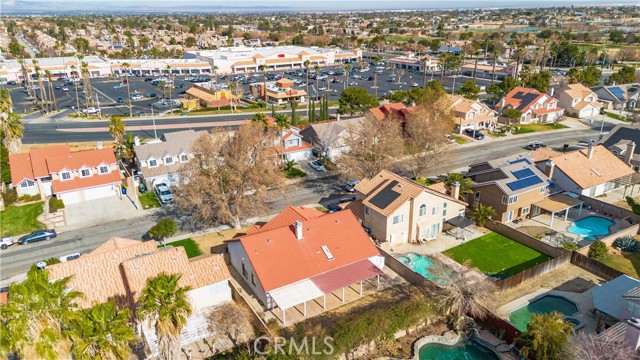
[[24, 7]]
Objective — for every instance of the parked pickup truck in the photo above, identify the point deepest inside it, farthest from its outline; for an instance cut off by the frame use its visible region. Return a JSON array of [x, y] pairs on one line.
[[5, 242]]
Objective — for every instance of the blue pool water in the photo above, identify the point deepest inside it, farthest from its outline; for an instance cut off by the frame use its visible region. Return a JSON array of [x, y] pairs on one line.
[[591, 227], [424, 265], [464, 350], [546, 304]]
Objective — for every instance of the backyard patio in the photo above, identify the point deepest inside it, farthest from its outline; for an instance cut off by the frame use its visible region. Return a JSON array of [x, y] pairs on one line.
[[451, 236]]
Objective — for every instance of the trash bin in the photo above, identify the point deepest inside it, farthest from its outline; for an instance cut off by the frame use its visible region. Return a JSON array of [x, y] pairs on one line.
[[184, 113], [142, 188]]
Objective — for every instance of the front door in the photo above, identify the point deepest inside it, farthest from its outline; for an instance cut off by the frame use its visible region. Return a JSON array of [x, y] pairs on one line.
[[509, 216]]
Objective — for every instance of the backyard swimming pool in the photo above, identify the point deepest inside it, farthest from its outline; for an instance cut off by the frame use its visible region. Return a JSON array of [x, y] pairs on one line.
[[546, 304], [425, 266], [590, 227], [463, 350]]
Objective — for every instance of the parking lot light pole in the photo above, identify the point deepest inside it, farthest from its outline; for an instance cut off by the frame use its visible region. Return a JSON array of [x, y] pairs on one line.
[[153, 118]]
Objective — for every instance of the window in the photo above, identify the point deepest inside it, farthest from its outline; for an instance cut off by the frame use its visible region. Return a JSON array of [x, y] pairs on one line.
[[244, 271], [168, 160], [444, 205], [253, 280], [444, 212], [65, 175], [366, 210], [27, 183], [633, 308], [85, 172], [434, 210], [542, 189], [184, 158], [103, 169], [476, 196], [153, 163], [510, 200], [398, 219], [525, 211], [423, 210]]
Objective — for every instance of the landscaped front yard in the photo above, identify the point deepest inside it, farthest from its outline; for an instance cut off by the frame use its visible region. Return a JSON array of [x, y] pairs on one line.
[[529, 128], [497, 255], [18, 220], [190, 247], [149, 200]]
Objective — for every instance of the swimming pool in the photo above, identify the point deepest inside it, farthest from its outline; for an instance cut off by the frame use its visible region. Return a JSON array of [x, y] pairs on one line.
[[419, 263], [463, 350], [590, 227], [546, 304]]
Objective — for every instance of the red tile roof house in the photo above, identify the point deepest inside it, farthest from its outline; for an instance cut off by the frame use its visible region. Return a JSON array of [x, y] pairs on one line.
[[536, 107], [118, 270], [302, 255], [71, 176]]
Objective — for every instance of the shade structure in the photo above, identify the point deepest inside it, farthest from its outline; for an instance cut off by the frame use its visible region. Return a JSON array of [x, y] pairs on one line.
[[347, 275], [294, 294], [557, 203]]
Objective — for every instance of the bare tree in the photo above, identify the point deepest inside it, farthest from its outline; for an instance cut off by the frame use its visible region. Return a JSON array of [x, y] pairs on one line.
[[374, 146], [230, 322], [425, 135], [328, 138], [230, 176], [601, 347]]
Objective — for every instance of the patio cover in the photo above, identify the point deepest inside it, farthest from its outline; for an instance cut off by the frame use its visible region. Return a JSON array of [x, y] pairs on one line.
[[460, 222], [558, 202], [607, 298], [342, 277], [294, 294]]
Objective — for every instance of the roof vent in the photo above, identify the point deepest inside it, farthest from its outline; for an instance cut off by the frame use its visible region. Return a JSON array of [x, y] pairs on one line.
[[337, 221], [596, 172], [269, 241], [327, 252]]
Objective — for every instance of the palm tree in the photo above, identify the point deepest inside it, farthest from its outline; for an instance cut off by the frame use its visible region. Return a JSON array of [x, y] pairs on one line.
[[347, 68], [215, 71], [377, 59], [482, 214], [170, 90], [116, 128], [102, 332], [43, 94], [53, 95], [263, 68], [12, 127], [475, 63], [307, 64], [465, 184], [125, 66], [494, 54], [36, 313], [26, 77], [261, 118], [166, 304]]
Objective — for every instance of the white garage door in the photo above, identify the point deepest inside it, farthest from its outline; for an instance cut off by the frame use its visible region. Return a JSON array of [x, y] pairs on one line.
[[299, 155], [71, 197], [99, 192]]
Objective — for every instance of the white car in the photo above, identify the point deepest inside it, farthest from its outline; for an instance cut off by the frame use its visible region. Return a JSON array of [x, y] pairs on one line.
[[317, 166], [415, 84], [91, 111], [5, 242], [322, 88], [64, 88], [352, 83], [136, 96]]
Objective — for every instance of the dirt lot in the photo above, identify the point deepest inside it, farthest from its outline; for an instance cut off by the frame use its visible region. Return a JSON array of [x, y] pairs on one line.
[[214, 243], [565, 278]]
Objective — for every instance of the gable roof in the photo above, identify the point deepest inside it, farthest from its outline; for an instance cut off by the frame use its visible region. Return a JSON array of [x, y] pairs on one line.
[[603, 166], [287, 217], [518, 175], [173, 143], [76, 160], [523, 98], [33, 164], [387, 191], [619, 133], [280, 259], [577, 91], [608, 297], [543, 154]]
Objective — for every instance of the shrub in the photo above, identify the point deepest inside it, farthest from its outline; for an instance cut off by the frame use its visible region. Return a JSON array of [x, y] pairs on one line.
[[597, 250], [569, 246], [163, 229], [294, 173], [10, 196], [626, 243], [55, 204], [28, 198]]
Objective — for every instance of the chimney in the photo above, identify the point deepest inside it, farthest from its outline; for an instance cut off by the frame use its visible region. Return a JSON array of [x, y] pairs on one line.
[[99, 144], [502, 102], [298, 226], [553, 90], [549, 166], [455, 191], [136, 140], [590, 150], [628, 155], [632, 335]]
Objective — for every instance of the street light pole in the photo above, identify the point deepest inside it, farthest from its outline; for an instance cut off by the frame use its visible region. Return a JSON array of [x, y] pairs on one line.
[[153, 118]]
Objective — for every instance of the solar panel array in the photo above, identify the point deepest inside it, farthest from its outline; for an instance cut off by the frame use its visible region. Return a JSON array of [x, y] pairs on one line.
[[527, 99], [521, 174], [618, 92], [385, 197], [524, 182]]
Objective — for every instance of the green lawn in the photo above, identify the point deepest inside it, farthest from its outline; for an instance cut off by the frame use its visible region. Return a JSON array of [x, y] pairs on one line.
[[460, 139], [149, 200], [495, 254], [18, 220], [615, 116], [628, 263], [529, 128], [190, 246], [294, 173]]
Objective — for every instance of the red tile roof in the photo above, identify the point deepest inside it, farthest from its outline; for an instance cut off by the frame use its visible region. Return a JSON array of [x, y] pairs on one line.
[[280, 259], [33, 164], [78, 183], [523, 98], [345, 276], [76, 160], [287, 217]]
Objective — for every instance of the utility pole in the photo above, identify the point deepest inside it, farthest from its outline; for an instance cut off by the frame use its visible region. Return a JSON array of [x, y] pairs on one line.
[[153, 118], [98, 102]]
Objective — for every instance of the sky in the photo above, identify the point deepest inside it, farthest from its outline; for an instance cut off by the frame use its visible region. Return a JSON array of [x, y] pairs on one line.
[[290, 5]]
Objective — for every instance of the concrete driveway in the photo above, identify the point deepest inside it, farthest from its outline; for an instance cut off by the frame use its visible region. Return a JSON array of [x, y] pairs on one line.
[[99, 211]]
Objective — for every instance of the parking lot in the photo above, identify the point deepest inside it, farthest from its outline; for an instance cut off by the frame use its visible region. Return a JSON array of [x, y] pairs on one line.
[[110, 94]]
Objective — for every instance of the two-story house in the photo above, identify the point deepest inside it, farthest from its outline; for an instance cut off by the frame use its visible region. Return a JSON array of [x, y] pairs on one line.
[[578, 100], [291, 145], [510, 185], [160, 161], [471, 114], [330, 139], [534, 106], [618, 97], [71, 176], [399, 210]]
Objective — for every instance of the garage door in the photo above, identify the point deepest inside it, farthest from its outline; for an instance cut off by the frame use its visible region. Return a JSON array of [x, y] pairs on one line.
[[99, 192], [71, 197]]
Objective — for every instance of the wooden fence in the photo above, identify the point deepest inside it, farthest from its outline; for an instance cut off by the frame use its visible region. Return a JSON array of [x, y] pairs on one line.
[[525, 239], [530, 273], [594, 266]]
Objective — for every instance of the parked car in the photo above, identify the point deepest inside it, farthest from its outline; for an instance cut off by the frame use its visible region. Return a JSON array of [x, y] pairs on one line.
[[477, 134], [152, 95], [70, 257], [136, 96], [64, 88], [333, 207], [350, 185], [415, 84], [119, 100], [91, 111], [535, 145], [352, 83], [118, 86], [5, 242], [38, 235], [11, 82], [346, 199], [317, 165], [163, 192]]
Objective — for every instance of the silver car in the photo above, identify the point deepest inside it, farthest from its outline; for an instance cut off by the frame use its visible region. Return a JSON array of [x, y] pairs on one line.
[[164, 193]]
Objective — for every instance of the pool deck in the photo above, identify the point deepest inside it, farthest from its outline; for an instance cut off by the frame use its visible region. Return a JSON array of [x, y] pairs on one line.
[[583, 301], [443, 242]]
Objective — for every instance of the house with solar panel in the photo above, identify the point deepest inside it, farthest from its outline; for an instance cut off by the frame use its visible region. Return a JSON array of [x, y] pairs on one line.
[[618, 97], [534, 106], [512, 186], [302, 260]]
